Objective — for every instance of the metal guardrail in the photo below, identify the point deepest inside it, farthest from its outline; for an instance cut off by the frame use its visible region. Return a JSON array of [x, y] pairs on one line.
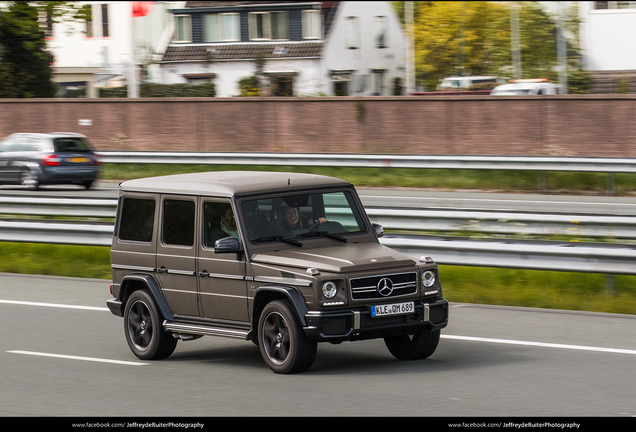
[[537, 255], [436, 221], [528, 163]]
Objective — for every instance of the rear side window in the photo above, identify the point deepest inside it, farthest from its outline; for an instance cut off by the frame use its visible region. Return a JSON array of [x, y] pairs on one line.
[[137, 219], [62, 145], [178, 222]]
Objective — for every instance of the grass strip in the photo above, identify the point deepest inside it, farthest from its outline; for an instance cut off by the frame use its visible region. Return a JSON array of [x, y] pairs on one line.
[[443, 179], [55, 260], [481, 285]]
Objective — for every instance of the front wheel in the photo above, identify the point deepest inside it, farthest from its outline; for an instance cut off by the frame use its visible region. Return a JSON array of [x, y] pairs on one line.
[[419, 345], [29, 179], [142, 324], [282, 342]]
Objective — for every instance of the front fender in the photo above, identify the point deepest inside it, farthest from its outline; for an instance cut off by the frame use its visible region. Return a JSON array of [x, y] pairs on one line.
[[268, 292]]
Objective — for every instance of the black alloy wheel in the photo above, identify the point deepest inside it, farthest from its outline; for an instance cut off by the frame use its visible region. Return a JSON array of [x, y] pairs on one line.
[[283, 344], [144, 334], [419, 345]]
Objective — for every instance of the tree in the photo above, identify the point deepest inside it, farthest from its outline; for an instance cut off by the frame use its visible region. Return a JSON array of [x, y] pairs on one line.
[[474, 38], [25, 65]]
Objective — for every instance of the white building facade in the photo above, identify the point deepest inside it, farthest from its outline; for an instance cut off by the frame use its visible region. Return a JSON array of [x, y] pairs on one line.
[[308, 48], [99, 52], [608, 35]]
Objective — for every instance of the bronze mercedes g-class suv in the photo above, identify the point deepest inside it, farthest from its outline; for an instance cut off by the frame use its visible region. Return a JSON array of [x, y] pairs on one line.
[[285, 260]]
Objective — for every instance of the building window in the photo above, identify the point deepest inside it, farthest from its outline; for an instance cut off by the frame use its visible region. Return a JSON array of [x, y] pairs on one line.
[[268, 25], [615, 5], [381, 34], [311, 24], [89, 20], [105, 32], [352, 32], [378, 81], [221, 27], [183, 28], [45, 21]]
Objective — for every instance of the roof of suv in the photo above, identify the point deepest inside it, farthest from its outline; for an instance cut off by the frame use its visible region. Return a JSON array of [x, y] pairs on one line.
[[229, 183]]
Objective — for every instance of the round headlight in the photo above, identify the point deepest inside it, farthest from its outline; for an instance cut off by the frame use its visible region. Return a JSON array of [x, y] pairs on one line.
[[329, 289], [428, 278]]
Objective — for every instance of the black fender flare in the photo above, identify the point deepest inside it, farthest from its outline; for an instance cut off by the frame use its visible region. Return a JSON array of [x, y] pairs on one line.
[[155, 291], [290, 293]]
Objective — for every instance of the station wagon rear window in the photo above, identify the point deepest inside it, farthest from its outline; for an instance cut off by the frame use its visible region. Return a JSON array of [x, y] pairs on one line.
[[63, 145], [302, 216]]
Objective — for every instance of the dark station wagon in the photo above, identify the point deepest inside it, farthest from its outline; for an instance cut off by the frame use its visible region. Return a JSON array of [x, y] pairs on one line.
[[284, 260], [34, 159]]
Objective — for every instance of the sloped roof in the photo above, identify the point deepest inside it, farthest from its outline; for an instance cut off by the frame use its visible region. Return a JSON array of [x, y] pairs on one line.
[[241, 51], [208, 4]]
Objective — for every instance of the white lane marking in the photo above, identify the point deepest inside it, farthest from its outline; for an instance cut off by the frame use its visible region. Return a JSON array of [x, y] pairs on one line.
[[542, 344], [25, 303], [70, 357], [466, 338]]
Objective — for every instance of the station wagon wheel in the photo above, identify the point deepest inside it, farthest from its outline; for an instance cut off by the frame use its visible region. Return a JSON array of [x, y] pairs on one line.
[[281, 339], [419, 345], [142, 324], [29, 178]]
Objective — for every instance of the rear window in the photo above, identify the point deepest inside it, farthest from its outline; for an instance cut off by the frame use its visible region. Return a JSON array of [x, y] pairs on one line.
[[63, 145], [137, 219]]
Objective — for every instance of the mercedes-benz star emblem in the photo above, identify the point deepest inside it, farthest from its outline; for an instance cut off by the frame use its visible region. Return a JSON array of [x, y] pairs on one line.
[[385, 287]]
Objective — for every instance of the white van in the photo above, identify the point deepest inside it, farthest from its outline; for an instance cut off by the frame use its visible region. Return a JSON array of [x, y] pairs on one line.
[[527, 87], [463, 82]]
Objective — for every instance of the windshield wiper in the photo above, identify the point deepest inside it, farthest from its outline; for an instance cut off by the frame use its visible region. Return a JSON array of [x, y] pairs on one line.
[[325, 233], [278, 238]]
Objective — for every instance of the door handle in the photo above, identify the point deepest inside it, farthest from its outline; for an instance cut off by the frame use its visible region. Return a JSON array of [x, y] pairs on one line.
[[204, 273], [162, 270]]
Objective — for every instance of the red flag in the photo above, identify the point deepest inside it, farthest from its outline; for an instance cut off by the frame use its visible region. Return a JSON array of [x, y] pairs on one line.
[[141, 8]]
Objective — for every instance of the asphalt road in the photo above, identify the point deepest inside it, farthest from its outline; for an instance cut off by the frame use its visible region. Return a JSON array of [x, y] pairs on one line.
[[64, 354]]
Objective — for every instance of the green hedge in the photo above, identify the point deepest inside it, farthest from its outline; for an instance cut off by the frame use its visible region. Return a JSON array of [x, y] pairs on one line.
[[162, 90]]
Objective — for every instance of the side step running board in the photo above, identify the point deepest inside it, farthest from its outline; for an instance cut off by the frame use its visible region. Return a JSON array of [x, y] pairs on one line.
[[194, 329]]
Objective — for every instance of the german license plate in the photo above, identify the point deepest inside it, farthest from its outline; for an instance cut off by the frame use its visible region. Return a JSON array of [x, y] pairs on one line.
[[392, 309], [78, 160]]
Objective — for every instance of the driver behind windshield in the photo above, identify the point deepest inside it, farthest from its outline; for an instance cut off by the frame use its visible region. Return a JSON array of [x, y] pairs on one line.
[[290, 220]]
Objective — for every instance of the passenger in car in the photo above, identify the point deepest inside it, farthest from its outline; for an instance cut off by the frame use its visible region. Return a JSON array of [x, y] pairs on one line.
[[223, 227]]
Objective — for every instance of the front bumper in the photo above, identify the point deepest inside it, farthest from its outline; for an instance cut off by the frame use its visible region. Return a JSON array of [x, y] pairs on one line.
[[357, 324]]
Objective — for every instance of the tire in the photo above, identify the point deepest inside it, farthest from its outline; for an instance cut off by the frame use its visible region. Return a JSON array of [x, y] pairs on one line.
[[29, 179], [142, 327], [419, 345], [281, 340]]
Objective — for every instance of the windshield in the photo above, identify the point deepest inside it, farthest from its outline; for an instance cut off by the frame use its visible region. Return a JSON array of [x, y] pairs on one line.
[[292, 218]]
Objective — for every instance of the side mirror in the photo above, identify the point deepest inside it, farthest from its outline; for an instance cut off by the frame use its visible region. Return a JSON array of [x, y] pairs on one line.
[[227, 245], [379, 230]]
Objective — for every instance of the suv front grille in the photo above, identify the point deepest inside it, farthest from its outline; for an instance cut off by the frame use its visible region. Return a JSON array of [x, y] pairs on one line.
[[383, 286]]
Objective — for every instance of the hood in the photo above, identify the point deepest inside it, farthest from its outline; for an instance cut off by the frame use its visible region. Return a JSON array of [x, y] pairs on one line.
[[337, 259]]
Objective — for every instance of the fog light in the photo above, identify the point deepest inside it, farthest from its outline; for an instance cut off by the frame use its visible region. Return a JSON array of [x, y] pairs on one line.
[[428, 278], [329, 289]]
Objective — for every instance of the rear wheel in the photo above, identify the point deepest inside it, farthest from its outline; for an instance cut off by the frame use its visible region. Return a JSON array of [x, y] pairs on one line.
[[419, 345], [142, 324], [281, 339]]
